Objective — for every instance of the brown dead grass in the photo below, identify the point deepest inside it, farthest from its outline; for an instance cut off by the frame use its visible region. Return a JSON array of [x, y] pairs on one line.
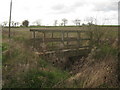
[[94, 74]]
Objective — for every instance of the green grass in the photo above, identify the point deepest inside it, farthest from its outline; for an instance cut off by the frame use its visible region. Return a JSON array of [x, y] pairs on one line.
[[105, 50], [44, 79], [35, 78], [5, 46], [104, 85]]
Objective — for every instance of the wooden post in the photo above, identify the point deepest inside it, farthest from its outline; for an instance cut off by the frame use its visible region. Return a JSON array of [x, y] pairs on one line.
[[52, 39], [91, 40], [78, 39], [62, 37], [43, 37], [34, 34], [67, 39], [44, 40], [52, 34], [44, 47], [34, 40]]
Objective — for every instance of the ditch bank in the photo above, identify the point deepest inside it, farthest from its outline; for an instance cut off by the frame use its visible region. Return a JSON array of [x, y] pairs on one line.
[[65, 61], [86, 71]]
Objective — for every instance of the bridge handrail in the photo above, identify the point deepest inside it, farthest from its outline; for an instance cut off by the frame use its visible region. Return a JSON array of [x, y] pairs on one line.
[[54, 30]]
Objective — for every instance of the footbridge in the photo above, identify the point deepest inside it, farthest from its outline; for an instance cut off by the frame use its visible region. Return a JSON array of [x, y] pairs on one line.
[[64, 42]]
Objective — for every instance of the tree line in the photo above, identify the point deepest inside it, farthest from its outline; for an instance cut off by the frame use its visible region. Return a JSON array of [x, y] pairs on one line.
[[64, 22]]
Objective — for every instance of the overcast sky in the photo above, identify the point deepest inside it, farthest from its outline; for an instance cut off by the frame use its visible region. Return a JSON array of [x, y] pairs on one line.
[[105, 11]]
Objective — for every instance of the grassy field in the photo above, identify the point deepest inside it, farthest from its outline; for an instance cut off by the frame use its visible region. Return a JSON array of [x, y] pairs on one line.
[[22, 68]]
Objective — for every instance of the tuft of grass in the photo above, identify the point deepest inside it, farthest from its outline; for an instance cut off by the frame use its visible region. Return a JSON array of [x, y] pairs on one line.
[[5, 46], [105, 50], [43, 79], [104, 85]]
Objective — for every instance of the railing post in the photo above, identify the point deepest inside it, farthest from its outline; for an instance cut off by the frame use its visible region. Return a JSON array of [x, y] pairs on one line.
[[62, 37], [67, 39], [34, 34], [52, 38], [43, 37], [91, 39], [34, 40], [78, 39], [43, 47]]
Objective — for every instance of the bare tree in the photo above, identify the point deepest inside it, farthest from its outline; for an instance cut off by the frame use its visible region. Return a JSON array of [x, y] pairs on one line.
[[17, 23], [65, 21], [97, 32], [38, 22], [60, 24], [90, 20], [55, 22], [105, 20], [5, 23], [77, 22], [13, 23]]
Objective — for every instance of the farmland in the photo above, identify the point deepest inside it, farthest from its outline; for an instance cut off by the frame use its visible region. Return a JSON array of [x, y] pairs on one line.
[[23, 68]]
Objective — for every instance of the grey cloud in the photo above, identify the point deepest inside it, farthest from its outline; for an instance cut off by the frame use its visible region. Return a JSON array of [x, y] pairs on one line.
[[79, 4], [110, 6], [63, 9], [119, 12], [58, 7], [98, 6]]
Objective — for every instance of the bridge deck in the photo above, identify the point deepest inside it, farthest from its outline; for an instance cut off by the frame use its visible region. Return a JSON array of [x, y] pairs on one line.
[[66, 52]]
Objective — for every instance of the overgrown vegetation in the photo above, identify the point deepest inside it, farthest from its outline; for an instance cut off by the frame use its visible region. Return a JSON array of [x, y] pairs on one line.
[[22, 68]]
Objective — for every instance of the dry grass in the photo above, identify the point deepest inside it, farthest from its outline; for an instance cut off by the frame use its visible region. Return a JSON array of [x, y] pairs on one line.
[[23, 68], [21, 64]]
